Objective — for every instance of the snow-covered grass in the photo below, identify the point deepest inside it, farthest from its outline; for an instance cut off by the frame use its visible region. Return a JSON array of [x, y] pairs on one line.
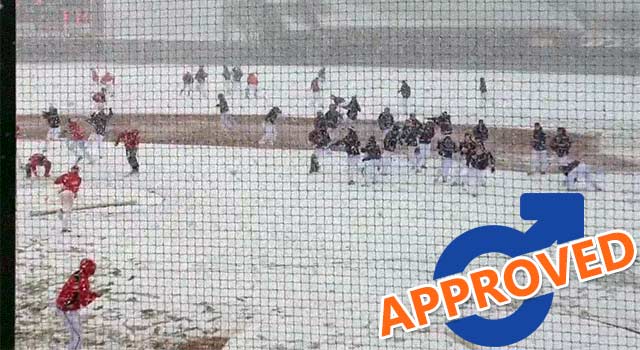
[[244, 241]]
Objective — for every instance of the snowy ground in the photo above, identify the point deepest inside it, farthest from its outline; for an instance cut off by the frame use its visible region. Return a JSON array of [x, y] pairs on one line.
[[583, 103], [242, 242]]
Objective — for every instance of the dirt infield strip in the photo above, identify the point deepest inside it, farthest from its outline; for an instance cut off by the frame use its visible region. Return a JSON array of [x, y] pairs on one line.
[[510, 146]]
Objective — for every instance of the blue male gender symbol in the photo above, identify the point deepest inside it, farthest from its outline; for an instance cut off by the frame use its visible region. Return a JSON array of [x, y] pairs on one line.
[[560, 218]]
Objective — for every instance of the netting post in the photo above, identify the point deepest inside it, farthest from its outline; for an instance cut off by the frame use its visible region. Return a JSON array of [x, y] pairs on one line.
[[7, 176]]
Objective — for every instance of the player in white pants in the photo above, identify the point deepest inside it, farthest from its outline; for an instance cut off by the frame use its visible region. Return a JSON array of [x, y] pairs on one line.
[[576, 172], [269, 124], [70, 183], [371, 161], [446, 149]]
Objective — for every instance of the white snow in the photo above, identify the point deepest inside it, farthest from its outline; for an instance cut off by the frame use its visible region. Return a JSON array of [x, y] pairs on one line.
[[596, 104], [244, 241]]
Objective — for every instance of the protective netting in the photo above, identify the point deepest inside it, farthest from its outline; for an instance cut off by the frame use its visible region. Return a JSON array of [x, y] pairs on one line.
[[221, 220]]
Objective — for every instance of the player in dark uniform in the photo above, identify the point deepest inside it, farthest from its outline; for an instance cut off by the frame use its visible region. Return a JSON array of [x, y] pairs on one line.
[[226, 76], [409, 138], [201, 79], [481, 160], [353, 108], [351, 144], [372, 159], [446, 149], [390, 143], [444, 123], [53, 120], [99, 121], [385, 121], [577, 171], [319, 138], [427, 132], [269, 124], [561, 144], [237, 78], [322, 74], [337, 100], [405, 92], [187, 81], [480, 132], [225, 118], [333, 118], [539, 162]]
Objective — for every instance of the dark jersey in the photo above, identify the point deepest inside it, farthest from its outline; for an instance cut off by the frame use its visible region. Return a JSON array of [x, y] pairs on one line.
[[468, 150], [447, 147], [187, 78], [405, 90], [273, 114], [351, 143], [372, 151], [409, 135], [237, 74], [52, 119], [385, 120], [99, 121], [483, 160], [427, 132], [332, 118], [322, 74], [481, 133], [561, 145], [539, 142], [391, 140], [483, 86], [201, 75], [226, 74], [319, 137], [224, 106], [353, 108]]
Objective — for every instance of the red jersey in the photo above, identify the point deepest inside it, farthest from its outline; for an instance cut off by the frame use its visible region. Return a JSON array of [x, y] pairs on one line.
[[37, 159], [252, 79], [99, 97], [77, 133], [130, 138], [70, 182], [107, 78], [76, 292]]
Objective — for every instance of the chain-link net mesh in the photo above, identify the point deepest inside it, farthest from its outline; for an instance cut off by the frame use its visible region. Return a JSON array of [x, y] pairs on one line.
[[219, 221]]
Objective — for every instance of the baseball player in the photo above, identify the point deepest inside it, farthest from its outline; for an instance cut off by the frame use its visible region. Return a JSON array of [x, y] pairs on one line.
[[385, 121], [320, 139], [187, 81], [372, 159], [577, 171], [76, 294], [99, 99], [405, 93], [539, 161], [252, 85], [70, 185], [480, 132], [225, 117], [409, 138], [99, 121], [351, 144], [201, 78], [479, 162], [36, 160], [316, 93], [446, 149], [236, 75], [53, 120], [561, 144], [226, 76], [269, 124], [353, 108], [131, 140], [390, 144], [427, 132]]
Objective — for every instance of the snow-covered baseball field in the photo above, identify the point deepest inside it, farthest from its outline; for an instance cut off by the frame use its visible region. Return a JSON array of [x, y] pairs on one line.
[[244, 243]]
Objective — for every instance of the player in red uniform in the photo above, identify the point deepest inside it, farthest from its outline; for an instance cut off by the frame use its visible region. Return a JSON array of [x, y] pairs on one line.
[[108, 81], [76, 144], [131, 139], [75, 295], [70, 183], [252, 85], [36, 160]]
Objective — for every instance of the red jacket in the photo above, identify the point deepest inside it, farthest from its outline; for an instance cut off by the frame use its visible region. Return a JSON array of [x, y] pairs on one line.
[[252, 79], [77, 133], [131, 139], [107, 78], [76, 292], [94, 76], [70, 182]]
